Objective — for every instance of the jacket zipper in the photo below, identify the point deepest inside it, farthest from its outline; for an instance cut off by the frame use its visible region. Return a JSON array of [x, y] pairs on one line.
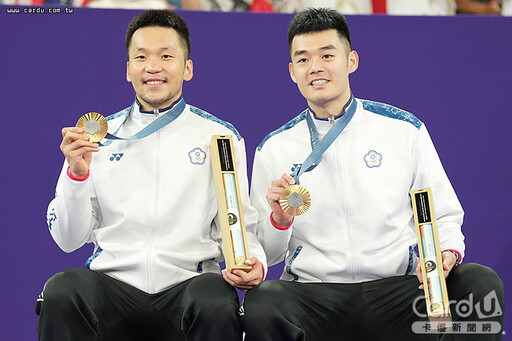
[[156, 214], [345, 211]]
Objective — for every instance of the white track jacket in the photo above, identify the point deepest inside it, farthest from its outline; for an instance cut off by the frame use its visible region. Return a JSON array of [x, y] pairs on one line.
[[149, 205], [360, 225]]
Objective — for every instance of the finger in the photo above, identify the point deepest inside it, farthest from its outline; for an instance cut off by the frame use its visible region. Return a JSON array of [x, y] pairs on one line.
[[273, 194], [79, 148], [74, 141], [446, 266], [76, 130], [275, 190], [283, 181], [80, 154], [238, 283], [71, 137], [234, 277], [252, 261], [419, 273], [225, 275], [77, 144], [244, 276], [278, 185], [446, 269], [256, 268], [288, 178]]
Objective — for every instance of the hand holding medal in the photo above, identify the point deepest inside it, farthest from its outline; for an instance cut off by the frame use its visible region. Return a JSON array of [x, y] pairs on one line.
[[80, 141], [286, 200]]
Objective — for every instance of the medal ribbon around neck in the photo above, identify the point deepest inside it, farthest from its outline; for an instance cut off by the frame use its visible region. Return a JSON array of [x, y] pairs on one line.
[[154, 126], [295, 199]]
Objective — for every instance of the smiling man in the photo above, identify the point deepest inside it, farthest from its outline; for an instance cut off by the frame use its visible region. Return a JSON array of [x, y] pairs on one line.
[[146, 199], [156, 66], [350, 268]]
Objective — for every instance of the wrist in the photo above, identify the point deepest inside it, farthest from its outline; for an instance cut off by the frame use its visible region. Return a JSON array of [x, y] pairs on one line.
[[77, 178], [456, 253], [279, 225]]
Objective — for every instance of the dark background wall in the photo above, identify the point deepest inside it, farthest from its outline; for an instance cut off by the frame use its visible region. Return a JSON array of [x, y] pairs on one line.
[[452, 72]]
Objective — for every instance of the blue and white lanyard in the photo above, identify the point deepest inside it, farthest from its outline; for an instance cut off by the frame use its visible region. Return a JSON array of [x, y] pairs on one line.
[[157, 124], [319, 147]]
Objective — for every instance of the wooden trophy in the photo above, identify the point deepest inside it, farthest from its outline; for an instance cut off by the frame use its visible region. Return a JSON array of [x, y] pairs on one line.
[[434, 283], [231, 216]]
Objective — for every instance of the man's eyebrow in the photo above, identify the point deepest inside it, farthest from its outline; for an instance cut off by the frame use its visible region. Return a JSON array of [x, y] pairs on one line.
[[165, 48], [327, 47], [299, 52]]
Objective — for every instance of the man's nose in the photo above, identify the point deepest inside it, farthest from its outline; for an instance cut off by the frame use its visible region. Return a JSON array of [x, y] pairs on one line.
[[153, 65], [316, 65]]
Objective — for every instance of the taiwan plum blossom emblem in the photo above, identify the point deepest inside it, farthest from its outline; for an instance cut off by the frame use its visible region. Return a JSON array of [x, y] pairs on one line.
[[373, 159], [197, 156]]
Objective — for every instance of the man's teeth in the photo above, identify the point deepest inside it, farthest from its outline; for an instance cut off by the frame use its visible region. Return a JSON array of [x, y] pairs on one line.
[[318, 82], [154, 82]]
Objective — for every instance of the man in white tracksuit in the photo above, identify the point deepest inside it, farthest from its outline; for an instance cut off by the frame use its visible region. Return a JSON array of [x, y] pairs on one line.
[[350, 262], [148, 205]]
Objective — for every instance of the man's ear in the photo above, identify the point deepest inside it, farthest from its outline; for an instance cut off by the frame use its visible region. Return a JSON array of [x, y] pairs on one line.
[[292, 74], [128, 78], [189, 70], [353, 61]]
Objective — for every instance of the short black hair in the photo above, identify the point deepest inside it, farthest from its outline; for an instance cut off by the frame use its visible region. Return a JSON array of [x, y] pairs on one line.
[[159, 18], [317, 20]]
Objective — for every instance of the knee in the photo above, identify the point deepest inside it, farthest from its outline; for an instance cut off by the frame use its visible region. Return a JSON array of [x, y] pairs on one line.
[[264, 300], [479, 279], [272, 307], [209, 296], [217, 308], [63, 286]]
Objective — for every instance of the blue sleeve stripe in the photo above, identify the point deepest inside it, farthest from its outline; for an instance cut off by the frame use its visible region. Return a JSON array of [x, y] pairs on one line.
[[94, 255], [392, 112], [285, 127], [210, 117]]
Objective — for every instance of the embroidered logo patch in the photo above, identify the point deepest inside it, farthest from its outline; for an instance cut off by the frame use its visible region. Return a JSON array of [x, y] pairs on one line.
[[116, 157], [373, 159], [197, 156]]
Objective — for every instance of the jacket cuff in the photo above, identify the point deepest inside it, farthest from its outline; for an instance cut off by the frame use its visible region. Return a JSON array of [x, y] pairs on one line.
[[279, 227], [75, 178]]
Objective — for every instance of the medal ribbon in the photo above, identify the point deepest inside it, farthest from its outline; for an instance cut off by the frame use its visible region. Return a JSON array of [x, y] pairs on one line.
[[319, 147], [175, 110]]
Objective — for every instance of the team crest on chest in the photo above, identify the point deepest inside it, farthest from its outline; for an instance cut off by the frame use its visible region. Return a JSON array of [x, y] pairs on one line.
[[373, 159], [197, 156]]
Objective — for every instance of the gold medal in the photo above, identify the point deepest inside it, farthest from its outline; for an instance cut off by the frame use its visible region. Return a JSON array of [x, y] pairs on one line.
[[295, 200], [94, 125]]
